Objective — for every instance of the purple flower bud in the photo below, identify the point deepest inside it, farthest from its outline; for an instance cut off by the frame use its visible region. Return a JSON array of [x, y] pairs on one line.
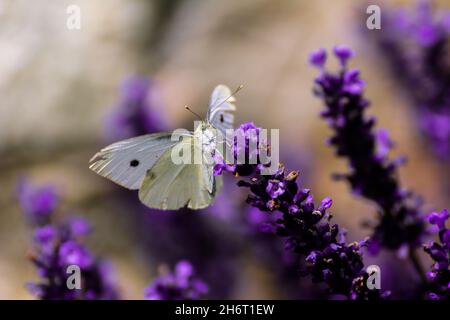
[[343, 53], [433, 296], [384, 143], [318, 57], [352, 83], [45, 235], [79, 227], [293, 209], [38, 203], [275, 188], [326, 203], [302, 195], [73, 253], [218, 169], [249, 126], [184, 269], [431, 275], [438, 218], [312, 257]]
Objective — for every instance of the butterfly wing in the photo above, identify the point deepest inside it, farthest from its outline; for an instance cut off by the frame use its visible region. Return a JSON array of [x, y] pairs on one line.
[[127, 162], [171, 186], [221, 106]]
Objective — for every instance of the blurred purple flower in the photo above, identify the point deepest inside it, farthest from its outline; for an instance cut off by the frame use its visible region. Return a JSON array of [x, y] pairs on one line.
[[343, 53], [79, 227], [45, 235], [58, 245], [318, 57], [72, 252], [210, 243], [383, 143], [438, 218], [437, 127], [181, 284], [135, 114], [372, 174], [38, 203], [439, 275], [416, 43]]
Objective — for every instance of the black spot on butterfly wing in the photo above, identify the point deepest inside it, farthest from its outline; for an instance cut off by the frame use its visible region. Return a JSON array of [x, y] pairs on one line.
[[222, 118], [134, 163]]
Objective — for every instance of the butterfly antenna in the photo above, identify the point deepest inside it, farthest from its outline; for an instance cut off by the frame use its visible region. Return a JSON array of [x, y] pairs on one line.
[[237, 89], [234, 93], [231, 95], [194, 113]]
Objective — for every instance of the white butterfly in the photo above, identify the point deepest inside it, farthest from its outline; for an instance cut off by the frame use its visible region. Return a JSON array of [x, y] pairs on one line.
[[145, 162]]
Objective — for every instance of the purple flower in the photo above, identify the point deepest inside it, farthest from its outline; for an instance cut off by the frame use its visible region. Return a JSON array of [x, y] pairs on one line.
[[383, 142], [135, 113], [343, 53], [424, 29], [415, 43], [184, 270], [73, 253], [247, 126], [45, 235], [439, 218], [372, 174], [326, 204], [79, 227], [307, 230], [436, 125], [182, 284], [318, 57], [56, 246], [439, 275], [353, 84], [275, 188], [249, 133], [209, 250], [38, 203]]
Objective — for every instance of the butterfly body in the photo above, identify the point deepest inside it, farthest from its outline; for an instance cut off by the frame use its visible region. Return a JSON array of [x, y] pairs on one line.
[[146, 162], [206, 135]]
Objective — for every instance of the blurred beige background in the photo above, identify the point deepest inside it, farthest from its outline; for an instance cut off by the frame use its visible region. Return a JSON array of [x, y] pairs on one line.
[[57, 85]]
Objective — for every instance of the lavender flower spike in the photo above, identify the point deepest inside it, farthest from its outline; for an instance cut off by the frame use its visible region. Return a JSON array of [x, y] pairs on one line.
[[415, 42], [372, 174], [307, 229], [181, 284], [59, 245], [439, 275]]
